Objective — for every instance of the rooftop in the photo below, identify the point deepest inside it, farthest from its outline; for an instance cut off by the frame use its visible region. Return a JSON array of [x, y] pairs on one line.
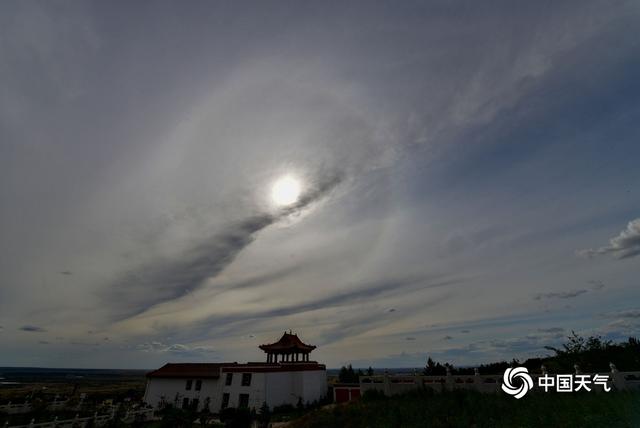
[[289, 342], [213, 370], [184, 370]]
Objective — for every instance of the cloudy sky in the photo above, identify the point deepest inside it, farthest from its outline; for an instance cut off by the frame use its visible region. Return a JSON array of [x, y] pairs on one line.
[[469, 179]]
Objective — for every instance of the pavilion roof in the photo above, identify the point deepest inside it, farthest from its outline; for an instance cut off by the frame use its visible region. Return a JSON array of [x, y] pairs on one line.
[[288, 343]]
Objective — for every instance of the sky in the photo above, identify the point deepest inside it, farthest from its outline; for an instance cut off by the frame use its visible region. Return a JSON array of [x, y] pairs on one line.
[[468, 176]]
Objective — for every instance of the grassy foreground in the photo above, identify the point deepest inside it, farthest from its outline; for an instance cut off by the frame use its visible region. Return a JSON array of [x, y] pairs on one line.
[[472, 409]]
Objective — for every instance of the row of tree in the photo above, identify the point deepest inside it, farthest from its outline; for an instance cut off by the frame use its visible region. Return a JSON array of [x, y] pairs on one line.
[[591, 354], [348, 375]]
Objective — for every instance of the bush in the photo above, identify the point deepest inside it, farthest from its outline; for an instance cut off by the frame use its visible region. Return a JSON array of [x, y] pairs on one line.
[[470, 408], [236, 418]]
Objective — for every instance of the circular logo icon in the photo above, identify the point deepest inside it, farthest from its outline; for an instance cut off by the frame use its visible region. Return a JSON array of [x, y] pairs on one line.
[[521, 377]]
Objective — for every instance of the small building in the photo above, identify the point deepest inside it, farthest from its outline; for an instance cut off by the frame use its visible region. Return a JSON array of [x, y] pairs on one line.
[[293, 379], [343, 392]]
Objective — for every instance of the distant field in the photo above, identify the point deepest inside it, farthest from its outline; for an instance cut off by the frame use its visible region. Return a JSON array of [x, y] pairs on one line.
[[472, 409], [18, 382]]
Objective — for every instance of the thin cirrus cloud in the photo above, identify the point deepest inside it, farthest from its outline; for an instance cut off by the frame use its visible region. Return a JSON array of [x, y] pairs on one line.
[[164, 280], [445, 157], [561, 294], [176, 348], [596, 285], [33, 329]]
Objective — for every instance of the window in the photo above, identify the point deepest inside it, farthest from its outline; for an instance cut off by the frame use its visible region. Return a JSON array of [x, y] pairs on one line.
[[229, 379], [185, 403], [246, 379], [243, 401], [225, 400], [194, 404], [198, 385], [189, 382]]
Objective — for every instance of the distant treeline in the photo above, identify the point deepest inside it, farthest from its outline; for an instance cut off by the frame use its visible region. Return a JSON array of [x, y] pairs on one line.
[[591, 354]]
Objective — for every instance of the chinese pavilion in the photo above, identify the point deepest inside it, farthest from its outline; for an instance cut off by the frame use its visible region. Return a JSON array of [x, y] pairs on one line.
[[290, 349]]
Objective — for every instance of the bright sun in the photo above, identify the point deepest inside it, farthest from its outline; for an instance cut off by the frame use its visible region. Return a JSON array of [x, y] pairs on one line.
[[285, 191]]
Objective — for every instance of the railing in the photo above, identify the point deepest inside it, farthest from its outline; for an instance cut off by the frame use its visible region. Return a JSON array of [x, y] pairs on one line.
[[391, 384], [81, 422], [26, 407]]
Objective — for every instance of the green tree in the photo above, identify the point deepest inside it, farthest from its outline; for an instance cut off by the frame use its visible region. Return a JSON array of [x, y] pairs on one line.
[[349, 375]]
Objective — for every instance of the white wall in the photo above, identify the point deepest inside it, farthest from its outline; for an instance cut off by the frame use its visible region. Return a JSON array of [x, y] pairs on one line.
[[276, 388], [256, 389], [315, 385], [288, 387], [168, 388]]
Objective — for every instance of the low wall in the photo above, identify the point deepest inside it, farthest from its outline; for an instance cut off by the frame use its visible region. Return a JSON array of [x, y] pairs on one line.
[[390, 384], [95, 420]]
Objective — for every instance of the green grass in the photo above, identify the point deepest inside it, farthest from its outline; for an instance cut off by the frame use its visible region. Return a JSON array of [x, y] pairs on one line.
[[472, 409]]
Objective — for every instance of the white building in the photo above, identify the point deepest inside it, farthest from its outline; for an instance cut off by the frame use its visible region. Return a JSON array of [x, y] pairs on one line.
[[218, 385]]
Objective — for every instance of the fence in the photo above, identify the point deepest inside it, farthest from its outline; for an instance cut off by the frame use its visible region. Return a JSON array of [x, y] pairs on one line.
[[397, 384], [97, 420], [26, 407]]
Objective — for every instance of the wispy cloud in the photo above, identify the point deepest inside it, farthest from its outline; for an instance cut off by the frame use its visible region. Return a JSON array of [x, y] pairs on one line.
[[628, 313], [175, 348], [450, 145], [561, 294], [32, 329], [169, 279], [552, 330], [597, 284], [623, 246]]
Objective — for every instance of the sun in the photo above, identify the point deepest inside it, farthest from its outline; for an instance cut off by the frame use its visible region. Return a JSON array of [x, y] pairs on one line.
[[286, 191]]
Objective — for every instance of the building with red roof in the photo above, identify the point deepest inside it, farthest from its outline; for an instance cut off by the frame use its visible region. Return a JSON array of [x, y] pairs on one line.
[[293, 379]]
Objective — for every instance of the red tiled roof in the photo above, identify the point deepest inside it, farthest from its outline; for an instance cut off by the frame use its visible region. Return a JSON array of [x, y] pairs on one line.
[[186, 370], [288, 342], [213, 370], [275, 367]]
